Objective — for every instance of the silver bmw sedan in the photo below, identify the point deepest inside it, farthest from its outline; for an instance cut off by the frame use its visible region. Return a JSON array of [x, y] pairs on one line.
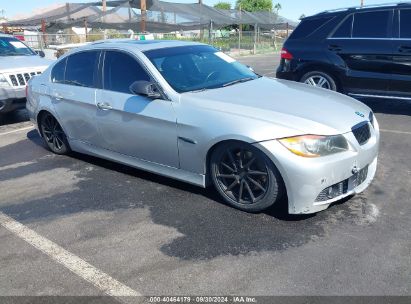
[[190, 112]]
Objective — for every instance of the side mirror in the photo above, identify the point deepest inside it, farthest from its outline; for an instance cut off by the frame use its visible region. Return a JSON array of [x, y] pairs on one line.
[[41, 54], [145, 88]]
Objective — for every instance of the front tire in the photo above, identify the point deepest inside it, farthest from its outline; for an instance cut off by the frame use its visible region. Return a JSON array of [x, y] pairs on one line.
[[320, 80], [53, 134], [244, 177]]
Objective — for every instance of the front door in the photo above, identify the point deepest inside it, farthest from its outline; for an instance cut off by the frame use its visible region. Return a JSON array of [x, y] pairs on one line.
[[130, 124], [401, 68], [363, 44]]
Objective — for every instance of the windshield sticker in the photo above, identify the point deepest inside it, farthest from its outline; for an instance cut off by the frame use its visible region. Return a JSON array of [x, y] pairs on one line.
[[225, 57], [18, 45]]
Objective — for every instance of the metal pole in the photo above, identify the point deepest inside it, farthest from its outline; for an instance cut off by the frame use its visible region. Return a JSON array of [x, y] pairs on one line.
[[85, 27], [200, 3], [143, 8], [210, 33], [288, 29], [239, 33], [43, 30], [255, 39], [362, 3], [104, 4]]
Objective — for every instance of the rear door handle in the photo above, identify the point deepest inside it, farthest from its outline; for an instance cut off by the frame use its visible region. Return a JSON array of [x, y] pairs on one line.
[[335, 48], [57, 96], [405, 49], [104, 106]]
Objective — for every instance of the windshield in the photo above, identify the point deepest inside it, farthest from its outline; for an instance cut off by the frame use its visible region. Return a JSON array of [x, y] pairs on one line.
[[193, 68], [13, 47]]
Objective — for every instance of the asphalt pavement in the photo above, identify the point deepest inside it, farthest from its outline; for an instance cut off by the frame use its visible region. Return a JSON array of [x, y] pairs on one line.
[[142, 234]]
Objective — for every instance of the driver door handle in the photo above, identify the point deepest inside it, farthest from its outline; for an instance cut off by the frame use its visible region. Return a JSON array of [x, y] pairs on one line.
[[104, 106]]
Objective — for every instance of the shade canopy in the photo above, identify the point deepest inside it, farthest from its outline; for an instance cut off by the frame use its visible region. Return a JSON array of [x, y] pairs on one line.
[[160, 17]]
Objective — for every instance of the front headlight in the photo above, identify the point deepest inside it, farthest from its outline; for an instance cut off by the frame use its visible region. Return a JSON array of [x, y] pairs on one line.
[[3, 81], [315, 145]]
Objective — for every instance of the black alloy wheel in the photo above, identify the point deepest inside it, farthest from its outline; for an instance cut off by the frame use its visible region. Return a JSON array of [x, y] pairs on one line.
[[53, 134], [245, 177]]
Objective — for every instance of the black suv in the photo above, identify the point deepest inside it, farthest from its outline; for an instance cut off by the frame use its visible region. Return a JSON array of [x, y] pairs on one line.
[[364, 52]]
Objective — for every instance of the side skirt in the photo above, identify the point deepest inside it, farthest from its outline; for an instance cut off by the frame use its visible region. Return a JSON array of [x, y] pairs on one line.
[[175, 173]]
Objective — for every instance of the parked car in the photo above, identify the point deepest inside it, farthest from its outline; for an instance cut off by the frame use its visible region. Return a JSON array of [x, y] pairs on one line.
[[18, 63], [358, 51], [187, 111]]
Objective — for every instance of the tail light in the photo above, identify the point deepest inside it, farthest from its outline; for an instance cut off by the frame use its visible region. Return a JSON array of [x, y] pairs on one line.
[[285, 54]]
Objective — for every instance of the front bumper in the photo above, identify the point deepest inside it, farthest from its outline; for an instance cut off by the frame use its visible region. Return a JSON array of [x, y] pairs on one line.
[[12, 99], [306, 178]]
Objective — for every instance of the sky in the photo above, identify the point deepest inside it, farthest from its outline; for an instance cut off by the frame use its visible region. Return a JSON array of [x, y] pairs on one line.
[[291, 9]]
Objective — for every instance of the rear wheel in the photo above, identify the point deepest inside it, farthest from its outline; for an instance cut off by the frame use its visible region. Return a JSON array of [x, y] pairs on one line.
[[245, 177], [53, 134], [320, 80]]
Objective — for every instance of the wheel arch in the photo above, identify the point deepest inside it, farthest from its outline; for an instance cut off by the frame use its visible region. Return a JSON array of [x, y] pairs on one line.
[[324, 68], [272, 159], [47, 111]]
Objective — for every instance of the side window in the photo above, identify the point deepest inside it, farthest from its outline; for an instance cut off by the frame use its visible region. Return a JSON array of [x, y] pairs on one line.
[[58, 71], [345, 29], [405, 23], [371, 24], [80, 69], [120, 71], [308, 27]]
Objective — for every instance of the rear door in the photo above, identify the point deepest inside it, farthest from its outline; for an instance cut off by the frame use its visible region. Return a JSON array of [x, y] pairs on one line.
[[362, 44], [401, 68], [130, 124], [73, 93]]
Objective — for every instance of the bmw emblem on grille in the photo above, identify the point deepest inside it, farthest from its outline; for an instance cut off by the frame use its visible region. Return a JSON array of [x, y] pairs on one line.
[[360, 114]]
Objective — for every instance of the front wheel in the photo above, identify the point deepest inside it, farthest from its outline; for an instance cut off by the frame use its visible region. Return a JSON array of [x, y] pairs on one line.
[[245, 177], [53, 134], [320, 80]]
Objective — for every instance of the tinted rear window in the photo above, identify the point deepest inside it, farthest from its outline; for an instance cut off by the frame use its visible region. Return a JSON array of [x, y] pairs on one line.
[[371, 24], [80, 69], [345, 29], [405, 24], [57, 74], [308, 27]]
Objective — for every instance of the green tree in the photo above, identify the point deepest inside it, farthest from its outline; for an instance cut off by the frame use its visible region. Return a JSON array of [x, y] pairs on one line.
[[254, 5], [223, 5]]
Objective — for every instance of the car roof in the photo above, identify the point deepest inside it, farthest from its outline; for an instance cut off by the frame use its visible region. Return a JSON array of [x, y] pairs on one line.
[[140, 45], [365, 8]]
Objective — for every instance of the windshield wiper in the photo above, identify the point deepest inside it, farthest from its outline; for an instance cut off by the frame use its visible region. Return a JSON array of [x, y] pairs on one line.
[[198, 90], [238, 81]]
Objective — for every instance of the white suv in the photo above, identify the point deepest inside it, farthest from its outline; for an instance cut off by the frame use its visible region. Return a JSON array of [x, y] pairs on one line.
[[18, 63]]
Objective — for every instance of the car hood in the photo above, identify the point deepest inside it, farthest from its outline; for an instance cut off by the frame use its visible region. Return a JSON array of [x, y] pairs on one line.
[[21, 63], [304, 109]]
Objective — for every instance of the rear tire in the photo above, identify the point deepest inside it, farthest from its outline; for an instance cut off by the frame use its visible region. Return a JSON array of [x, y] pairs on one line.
[[53, 134], [320, 79], [245, 177]]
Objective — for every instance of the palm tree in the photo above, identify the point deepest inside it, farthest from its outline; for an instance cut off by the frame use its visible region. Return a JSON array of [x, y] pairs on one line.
[[277, 8]]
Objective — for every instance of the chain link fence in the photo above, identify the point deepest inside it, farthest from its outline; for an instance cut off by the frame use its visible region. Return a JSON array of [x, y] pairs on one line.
[[235, 43]]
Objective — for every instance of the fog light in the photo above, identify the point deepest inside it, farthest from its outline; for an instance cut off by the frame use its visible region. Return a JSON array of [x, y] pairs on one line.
[[2, 104], [333, 191]]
